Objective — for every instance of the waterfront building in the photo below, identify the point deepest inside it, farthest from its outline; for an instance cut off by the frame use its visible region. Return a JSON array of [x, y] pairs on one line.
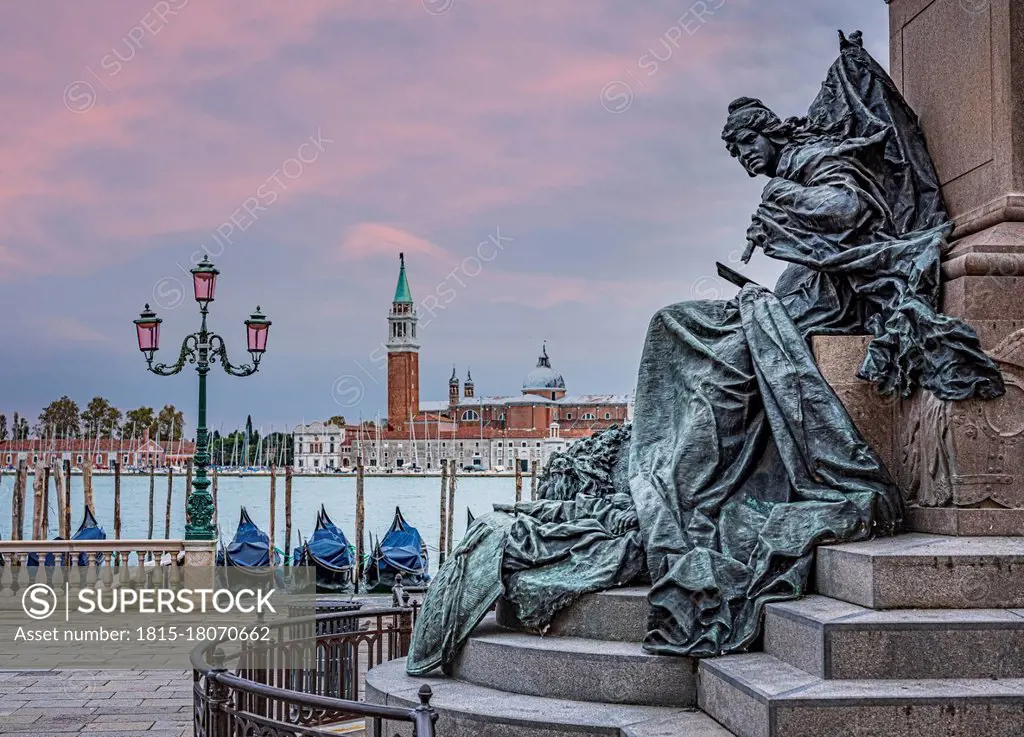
[[477, 432], [139, 453], [320, 446]]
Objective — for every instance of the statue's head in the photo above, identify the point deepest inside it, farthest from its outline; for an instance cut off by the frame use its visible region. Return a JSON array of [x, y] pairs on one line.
[[754, 135]]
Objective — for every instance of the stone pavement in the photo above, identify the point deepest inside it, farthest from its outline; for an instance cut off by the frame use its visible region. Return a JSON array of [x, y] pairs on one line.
[[154, 703]]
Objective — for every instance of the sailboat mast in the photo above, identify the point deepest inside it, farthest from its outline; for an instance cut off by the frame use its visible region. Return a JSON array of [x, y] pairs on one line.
[[412, 441]]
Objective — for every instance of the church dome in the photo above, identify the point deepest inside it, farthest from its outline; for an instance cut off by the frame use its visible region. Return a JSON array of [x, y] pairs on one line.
[[543, 377]]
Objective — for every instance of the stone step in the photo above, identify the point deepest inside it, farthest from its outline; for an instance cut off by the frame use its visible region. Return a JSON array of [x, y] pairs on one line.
[[468, 710], [833, 639], [757, 695], [616, 614], [575, 668], [919, 571]]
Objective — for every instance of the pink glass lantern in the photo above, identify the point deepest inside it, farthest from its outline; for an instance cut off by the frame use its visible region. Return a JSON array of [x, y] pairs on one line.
[[204, 280], [257, 327], [148, 329]]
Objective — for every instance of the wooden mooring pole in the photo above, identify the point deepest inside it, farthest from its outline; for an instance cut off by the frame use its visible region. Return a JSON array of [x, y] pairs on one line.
[[117, 500], [287, 523], [360, 522], [273, 509], [442, 540], [167, 508], [87, 485], [533, 480], [152, 498], [519, 481], [46, 503], [18, 501], [287, 487], [453, 471], [37, 502], [58, 492], [67, 498]]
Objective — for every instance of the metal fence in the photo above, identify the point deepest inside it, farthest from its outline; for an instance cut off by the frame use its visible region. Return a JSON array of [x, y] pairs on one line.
[[301, 688]]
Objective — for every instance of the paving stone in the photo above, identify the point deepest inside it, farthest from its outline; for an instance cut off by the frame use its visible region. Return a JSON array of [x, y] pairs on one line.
[[126, 701], [166, 703], [81, 713], [123, 726], [49, 700], [40, 728]]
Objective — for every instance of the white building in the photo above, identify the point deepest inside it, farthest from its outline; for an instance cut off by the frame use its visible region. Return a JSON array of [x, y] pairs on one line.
[[320, 447]]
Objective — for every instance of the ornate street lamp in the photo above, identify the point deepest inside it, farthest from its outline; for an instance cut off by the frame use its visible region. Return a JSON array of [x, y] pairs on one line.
[[203, 349]]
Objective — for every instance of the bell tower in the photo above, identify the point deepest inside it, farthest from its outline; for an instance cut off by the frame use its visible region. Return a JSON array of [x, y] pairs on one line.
[[453, 392], [403, 355]]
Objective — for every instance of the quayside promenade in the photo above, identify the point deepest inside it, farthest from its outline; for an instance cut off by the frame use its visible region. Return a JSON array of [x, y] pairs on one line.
[[155, 703]]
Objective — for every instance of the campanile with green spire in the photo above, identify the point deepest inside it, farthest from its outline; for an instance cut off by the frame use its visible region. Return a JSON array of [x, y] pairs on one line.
[[403, 354], [402, 291]]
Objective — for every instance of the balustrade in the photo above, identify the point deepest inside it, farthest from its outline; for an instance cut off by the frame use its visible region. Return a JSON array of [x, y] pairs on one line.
[[93, 563]]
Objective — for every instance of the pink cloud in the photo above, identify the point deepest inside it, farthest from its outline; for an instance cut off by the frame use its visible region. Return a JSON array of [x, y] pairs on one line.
[[444, 95]]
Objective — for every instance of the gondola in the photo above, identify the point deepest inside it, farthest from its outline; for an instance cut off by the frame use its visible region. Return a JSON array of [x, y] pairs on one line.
[[470, 519], [329, 551], [250, 547], [401, 550], [89, 530]]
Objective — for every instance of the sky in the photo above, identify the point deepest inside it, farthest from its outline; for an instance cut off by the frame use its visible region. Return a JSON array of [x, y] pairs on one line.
[[551, 170]]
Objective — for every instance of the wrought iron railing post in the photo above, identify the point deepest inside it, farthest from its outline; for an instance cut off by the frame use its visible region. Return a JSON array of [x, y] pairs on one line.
[[425, 716], [218, 719]]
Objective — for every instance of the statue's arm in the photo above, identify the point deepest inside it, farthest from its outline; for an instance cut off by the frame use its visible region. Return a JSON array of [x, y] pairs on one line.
[[797, 222]]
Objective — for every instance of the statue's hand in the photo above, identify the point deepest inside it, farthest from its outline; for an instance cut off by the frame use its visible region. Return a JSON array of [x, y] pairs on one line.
[[624, 520], [755, 238]]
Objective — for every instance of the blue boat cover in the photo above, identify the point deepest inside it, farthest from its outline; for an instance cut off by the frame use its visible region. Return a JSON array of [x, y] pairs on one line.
[[250, 547], [402, 547], [89, 530], [328, 546]]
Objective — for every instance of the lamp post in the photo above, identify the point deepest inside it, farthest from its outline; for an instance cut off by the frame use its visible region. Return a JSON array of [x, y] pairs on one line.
[[202, 349]]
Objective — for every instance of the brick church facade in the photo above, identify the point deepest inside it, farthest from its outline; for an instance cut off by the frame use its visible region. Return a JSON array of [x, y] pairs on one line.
[[478, 432]]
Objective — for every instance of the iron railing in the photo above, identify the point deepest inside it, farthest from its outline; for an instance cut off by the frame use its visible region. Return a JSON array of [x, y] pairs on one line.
[[288, 686]]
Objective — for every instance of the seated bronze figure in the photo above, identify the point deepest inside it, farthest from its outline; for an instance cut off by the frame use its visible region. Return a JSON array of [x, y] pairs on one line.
[[741, 459]]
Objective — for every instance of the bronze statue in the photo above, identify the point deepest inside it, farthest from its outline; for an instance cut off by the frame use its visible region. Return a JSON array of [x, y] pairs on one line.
[[741, 459]]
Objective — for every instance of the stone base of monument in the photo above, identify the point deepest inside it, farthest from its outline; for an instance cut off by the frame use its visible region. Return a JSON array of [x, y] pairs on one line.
[[960, 463], [913, 636], [588, 676]]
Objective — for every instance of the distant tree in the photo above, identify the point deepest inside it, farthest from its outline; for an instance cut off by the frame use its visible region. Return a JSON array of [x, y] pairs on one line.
[[100, 418], [137, 422], [170, 423], [3, 427], [337, 421], [59, 418]]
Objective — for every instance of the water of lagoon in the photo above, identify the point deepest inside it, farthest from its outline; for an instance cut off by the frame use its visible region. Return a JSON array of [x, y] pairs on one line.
[[419, 498]]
